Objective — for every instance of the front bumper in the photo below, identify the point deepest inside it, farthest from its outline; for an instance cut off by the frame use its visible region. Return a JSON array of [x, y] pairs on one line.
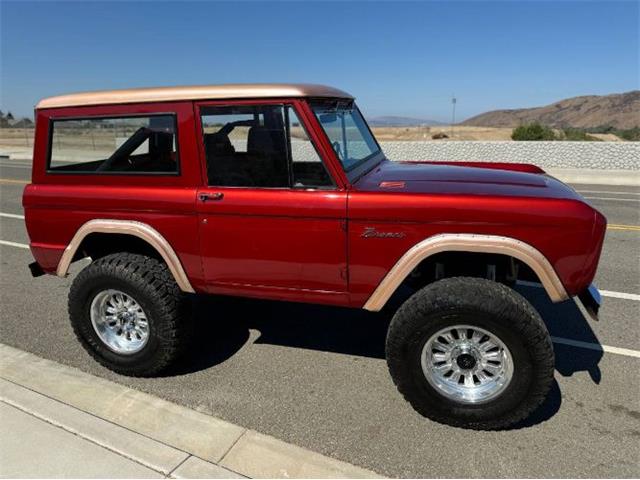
[[590, 301]]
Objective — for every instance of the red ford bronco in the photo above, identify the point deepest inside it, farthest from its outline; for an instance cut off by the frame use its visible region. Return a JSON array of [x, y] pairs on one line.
[[282, 192]]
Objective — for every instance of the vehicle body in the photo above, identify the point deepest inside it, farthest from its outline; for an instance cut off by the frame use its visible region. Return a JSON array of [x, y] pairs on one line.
[[255, 190]]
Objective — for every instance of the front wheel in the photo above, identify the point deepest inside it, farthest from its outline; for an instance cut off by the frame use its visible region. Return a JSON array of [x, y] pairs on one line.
[[471, 353]]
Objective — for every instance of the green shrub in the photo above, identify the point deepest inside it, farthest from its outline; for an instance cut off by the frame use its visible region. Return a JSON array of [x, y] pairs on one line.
[[631, 134], [577, 135], [532, 132]]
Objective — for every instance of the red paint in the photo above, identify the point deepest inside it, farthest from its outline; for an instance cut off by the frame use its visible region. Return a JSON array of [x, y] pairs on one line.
[[305, 245]]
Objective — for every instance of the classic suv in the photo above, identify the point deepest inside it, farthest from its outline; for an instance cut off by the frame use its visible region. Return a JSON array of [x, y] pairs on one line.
[[282, 192]]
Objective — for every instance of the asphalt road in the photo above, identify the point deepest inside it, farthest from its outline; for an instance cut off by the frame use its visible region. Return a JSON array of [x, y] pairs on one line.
[[316, 376]]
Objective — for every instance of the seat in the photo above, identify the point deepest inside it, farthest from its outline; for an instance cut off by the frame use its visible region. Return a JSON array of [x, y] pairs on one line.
[[266, 148]]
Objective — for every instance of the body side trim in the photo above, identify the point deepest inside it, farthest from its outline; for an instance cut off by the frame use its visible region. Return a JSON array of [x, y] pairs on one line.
[[467, 243], [128, 227]]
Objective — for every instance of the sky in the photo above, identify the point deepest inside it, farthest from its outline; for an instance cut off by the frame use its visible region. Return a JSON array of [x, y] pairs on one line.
[[396, 58]]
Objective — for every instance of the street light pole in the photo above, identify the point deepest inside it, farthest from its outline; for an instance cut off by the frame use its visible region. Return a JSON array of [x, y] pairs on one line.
[[453, 112]]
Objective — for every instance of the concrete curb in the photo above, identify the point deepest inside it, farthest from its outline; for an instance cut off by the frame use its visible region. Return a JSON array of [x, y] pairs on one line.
[[154, 432], [134, 446]]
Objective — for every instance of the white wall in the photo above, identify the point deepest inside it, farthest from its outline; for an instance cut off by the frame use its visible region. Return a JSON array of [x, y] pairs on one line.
[[547, 155]]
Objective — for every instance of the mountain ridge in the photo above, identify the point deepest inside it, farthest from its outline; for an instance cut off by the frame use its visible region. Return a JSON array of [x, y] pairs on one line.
[[618, 110]]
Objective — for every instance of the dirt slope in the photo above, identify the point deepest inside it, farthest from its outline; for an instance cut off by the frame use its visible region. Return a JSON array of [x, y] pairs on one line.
[[620, 110]]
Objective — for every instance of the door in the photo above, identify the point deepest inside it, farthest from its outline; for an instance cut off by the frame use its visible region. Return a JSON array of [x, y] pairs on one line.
[[272, 222]]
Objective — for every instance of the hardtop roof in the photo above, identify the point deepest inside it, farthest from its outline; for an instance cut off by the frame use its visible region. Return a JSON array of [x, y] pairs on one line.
[[195, 92]]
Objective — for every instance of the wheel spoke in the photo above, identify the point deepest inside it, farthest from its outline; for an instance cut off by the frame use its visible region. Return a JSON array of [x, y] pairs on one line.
[[455, 377], [493, 369], [462, 333], [444, 368], [448, 337], [477, 336], [468, 380], [493, 355], [482, 377], [488, 345], [439, 357]]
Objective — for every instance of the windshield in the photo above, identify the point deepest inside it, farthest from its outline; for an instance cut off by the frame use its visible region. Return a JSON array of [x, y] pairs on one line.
[[347, 131]]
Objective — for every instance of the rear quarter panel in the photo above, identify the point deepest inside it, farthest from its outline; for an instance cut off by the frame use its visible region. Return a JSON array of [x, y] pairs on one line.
[[57, 204]]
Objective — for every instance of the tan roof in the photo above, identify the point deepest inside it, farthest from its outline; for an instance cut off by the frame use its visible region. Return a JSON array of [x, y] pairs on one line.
[[196, 92]]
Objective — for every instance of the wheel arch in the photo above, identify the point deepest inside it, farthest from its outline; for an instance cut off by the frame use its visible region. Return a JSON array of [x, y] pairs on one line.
[[141, 231], [489, 244]]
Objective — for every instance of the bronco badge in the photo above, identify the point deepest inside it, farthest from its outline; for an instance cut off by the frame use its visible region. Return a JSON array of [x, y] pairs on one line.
[[371, 232]]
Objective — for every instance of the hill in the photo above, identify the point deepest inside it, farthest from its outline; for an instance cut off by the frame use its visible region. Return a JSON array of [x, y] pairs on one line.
[[619, 110]]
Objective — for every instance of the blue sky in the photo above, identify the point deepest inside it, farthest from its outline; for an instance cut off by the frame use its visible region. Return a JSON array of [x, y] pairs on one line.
[[397, 58]]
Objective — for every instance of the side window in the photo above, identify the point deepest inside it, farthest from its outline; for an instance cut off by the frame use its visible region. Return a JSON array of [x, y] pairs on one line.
[[114, 145], [307, 167], [245, 146], [259, 146]]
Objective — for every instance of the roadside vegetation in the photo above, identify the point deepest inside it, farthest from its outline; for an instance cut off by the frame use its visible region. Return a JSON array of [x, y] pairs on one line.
[[537, 132], [630, 134], [533, 132]]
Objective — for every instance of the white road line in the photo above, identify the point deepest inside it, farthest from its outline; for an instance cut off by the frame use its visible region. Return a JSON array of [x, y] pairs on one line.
[[8, 165], [14, 244], [608, 192], [596, 346], [625, 296], [634, 200], [604, 293], [12, 215]]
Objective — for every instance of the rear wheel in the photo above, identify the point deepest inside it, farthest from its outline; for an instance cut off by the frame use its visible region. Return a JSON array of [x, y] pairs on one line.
[[129, 314], [470, 352]]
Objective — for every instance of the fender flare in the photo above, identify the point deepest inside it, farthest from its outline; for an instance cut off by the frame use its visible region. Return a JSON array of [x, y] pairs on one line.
[[467, 243], [128, 227]]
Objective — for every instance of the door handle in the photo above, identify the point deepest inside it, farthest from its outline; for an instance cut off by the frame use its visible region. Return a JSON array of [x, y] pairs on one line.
[[210, 196]]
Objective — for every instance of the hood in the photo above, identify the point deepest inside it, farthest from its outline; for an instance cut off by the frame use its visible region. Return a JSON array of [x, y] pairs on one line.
[[463, 179]]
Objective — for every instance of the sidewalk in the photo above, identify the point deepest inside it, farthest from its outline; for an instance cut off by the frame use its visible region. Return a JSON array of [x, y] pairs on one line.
[[60, 422]]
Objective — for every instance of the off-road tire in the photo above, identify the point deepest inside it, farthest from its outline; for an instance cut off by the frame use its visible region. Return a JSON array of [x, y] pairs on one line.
[[150, 282], [488, 305]]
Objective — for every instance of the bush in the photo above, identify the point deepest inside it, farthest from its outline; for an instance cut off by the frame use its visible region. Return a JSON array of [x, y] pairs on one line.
[[631, 134], [577, 135], [532, 132]]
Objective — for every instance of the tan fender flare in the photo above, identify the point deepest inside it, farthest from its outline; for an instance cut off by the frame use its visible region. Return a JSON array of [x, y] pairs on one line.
[[128, 227], [467, 243]]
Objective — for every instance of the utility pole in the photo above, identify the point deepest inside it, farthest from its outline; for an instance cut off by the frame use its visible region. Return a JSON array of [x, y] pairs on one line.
[[453, 112]]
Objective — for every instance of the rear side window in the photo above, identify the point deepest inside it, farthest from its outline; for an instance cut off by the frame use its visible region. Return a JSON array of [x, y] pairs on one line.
[[134, 145]]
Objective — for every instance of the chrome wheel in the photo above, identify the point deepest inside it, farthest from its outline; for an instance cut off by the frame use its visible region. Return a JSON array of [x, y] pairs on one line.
[[467, 364], [119, 321]]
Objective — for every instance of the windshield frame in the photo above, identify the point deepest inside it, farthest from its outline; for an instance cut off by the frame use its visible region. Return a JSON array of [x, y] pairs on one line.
[[362, 166]]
